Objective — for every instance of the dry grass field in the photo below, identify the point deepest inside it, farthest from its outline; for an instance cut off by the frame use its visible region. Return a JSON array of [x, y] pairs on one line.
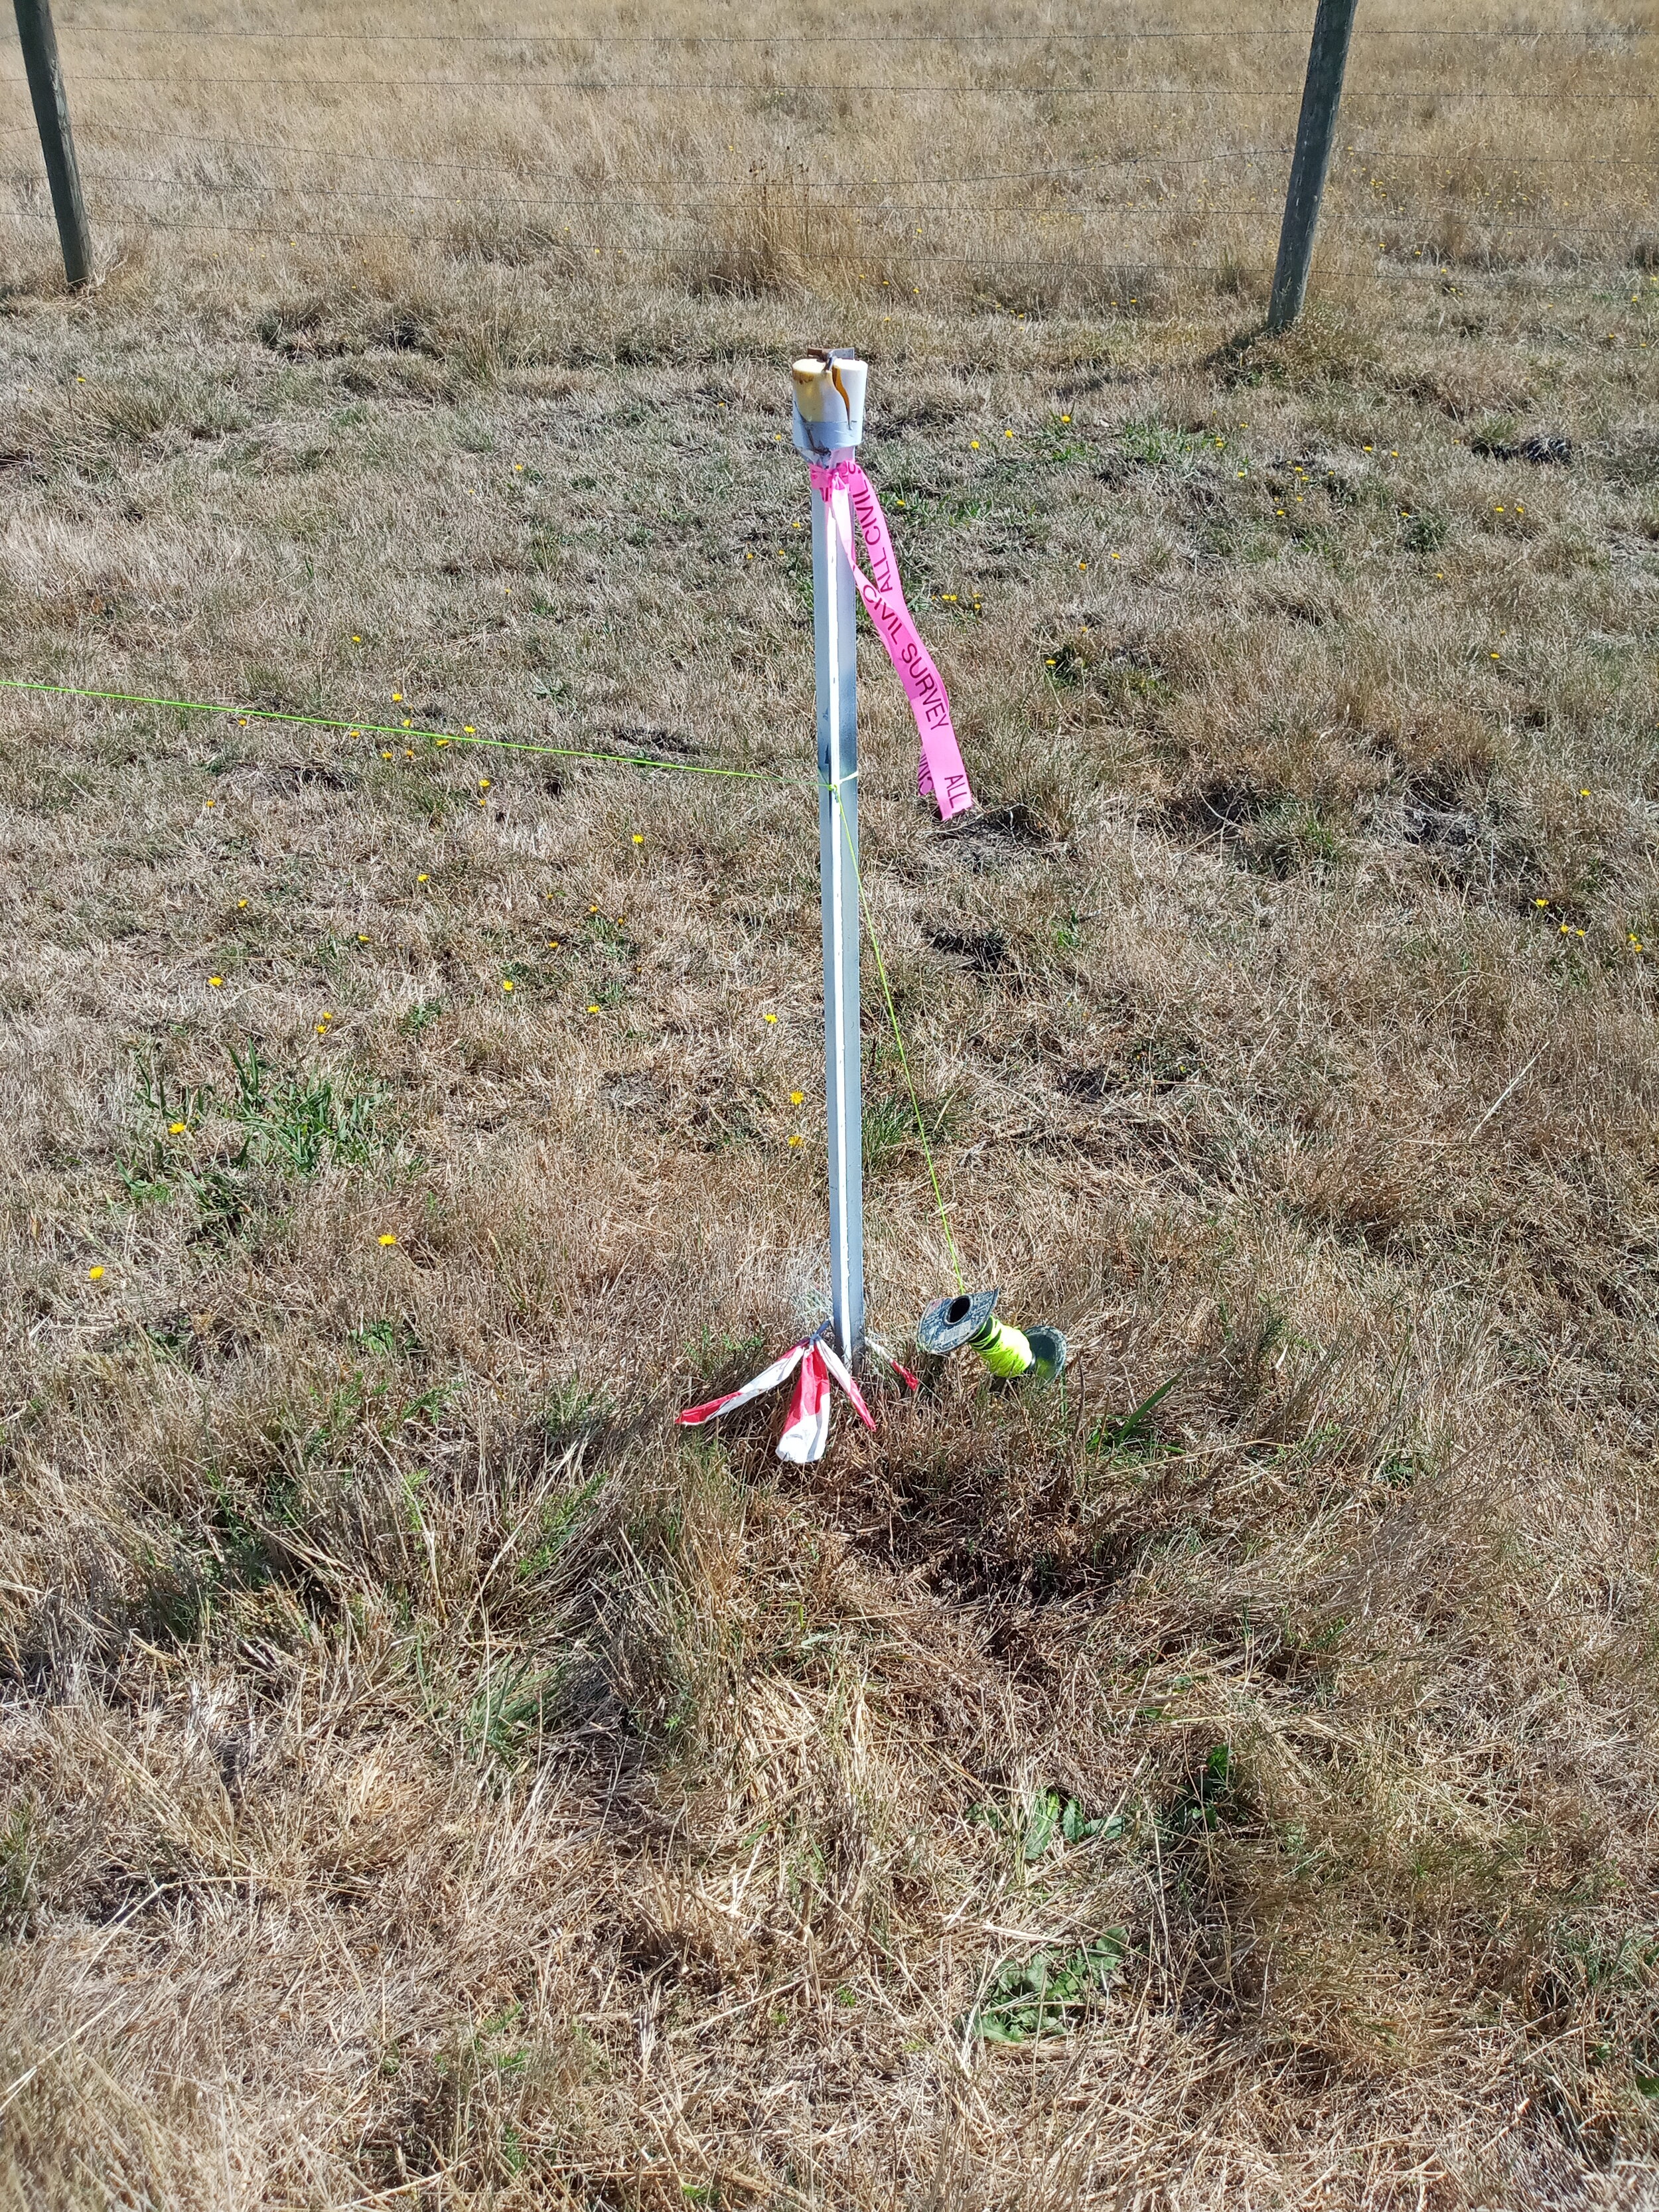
[[428, 1777]]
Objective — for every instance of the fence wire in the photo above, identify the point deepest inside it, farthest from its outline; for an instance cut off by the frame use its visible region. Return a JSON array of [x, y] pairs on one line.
[[838, 87], [1437, 188]]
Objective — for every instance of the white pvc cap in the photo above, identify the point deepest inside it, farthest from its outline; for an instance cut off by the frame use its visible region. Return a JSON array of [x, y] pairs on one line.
[[829, 402]]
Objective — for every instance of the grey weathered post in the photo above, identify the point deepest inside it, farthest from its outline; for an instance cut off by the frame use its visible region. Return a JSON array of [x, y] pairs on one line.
[[1327, 58], [829, 420], [45, 77]]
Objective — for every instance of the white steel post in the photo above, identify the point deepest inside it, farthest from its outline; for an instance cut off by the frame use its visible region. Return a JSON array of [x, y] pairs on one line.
[[828, 420]]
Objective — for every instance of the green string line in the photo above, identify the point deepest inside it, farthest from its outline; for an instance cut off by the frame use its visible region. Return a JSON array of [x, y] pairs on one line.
[[386, 730], [898, 1039]]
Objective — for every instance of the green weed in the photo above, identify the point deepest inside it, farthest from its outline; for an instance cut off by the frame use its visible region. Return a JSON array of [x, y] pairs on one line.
[[1049, 1816], [302, 1122], [226, 1203], [576, 1410], [189, 1105], [561, 1519], [711, 1356], [1155, 445], [390, 1338], [1050, 1993], [240, 1548], [504, 1721], [1209, 1802], [891, 1133], [1133, 1435], [142, 1187], [295, 1124], [1290, 837], [358, 1402]]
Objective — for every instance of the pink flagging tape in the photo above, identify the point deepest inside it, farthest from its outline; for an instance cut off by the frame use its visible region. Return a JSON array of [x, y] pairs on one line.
[[847, 491]]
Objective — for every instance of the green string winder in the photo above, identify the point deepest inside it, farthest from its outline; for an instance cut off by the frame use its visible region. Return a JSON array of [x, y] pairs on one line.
[[969, 1319]]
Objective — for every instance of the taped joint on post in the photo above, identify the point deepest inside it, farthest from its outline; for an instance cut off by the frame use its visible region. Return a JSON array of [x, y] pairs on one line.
[[969, 1321], [830, 386]]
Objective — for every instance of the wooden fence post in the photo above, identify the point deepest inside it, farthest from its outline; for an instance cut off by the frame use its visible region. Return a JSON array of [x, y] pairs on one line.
[[45, 77], [1327, 58]]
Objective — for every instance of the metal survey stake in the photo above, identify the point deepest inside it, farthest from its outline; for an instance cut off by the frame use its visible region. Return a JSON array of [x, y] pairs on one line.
[[829, 421]]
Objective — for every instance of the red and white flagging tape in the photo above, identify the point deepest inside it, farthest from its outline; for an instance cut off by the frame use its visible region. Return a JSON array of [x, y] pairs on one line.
[[814, 1364]]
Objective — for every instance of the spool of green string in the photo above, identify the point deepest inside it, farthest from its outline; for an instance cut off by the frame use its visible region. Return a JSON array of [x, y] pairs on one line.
[[1005, 1351]]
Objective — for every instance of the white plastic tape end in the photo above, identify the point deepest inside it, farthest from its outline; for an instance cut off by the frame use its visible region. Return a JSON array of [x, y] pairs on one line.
[[830, 389]]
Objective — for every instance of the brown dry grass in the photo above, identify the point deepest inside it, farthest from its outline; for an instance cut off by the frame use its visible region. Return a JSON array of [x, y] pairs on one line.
[[429, 1778]]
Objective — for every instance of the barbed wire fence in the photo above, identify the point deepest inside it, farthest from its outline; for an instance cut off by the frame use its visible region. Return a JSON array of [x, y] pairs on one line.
[[1192, 158]]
